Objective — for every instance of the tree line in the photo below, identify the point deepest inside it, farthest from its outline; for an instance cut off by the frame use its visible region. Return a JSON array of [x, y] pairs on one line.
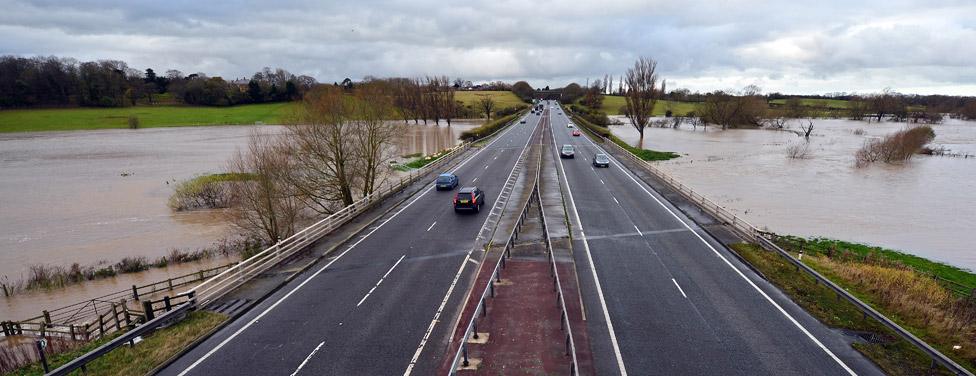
[[57, 81]]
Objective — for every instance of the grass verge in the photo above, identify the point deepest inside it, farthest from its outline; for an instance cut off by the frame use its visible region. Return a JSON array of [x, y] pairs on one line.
[[891, 353], [145, 356], [70, 119], [421, 161], [644, 154], [489, 127]]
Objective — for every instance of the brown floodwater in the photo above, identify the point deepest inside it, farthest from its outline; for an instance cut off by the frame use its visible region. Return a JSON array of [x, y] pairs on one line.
[[98, 196], [924, 207]]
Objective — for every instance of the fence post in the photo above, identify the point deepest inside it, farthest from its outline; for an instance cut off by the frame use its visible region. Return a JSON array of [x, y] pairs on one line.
[[125, 314], [115, 316], [101, 325], [71, 329], [148, 308], [135, 292], [170, 283], [167, 304], [47, 317]]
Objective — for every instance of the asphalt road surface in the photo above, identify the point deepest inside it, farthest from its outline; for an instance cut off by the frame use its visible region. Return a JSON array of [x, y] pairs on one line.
[[371, 308], [664, 298]]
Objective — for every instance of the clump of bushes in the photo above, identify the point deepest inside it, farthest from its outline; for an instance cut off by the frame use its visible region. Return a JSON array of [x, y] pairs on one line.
[[510, 110], [133, 122], [593, 116], [206, 192], [43, 276], [896, 147]]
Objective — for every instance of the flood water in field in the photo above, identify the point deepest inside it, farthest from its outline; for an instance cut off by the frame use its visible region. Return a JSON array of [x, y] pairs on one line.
[[98, 196], [925, 207]]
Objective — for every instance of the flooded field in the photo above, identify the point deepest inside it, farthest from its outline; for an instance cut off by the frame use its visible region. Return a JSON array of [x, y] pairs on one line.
[[94, 196], [924, 207]]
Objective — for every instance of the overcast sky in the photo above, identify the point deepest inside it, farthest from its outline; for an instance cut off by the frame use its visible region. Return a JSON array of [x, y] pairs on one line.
[[788, 46]]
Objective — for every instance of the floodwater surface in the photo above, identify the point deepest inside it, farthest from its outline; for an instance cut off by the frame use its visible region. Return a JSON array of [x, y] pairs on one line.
[[98, 196], [924, 206]]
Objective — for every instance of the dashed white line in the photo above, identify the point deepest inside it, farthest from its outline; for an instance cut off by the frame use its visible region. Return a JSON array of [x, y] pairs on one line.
[[473, 261], [380, 281], [679, 288], [601, 180], [486, 167], [304, 362], [737, 271], [474, 180], [431, 226], [615, 200], [638, 230]]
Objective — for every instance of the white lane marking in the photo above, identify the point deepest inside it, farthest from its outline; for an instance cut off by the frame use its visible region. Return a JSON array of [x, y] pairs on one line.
[[440, 309], [379, 282], [601, 181], [679, 288], [615, 200], [638, 231], [486, 167], [727, 262], [307, 358], [473, 261], [351, 247], [589, 257], [431, 226], [457, 276], [474, 180]]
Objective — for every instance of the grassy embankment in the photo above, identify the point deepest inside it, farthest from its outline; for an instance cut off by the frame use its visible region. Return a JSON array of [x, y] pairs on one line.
[[502, 99], [613, 103], [644, 154], [69, 119], [145, 356], [928, 298]]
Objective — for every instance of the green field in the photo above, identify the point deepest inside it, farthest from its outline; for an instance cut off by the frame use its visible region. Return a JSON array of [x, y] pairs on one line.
[[613, 103], [502, 98], [69, 119]]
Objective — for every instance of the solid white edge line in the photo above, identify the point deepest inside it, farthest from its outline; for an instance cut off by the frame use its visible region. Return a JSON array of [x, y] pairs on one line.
[[589, 257], [679, 288], [300, 366], [727, 262], [273, 306], [457, 276], [380, 281]]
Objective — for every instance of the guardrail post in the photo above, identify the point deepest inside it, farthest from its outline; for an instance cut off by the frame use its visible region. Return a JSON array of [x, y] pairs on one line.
[[148, 308], [40, 353]]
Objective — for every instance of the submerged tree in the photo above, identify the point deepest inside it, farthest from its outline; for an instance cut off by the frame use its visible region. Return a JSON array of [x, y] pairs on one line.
[[641, 94]]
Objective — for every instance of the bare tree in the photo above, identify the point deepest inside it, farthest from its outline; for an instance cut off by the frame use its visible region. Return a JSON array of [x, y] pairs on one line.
[[486, 104], [641, 95], [807, 129], [324, 153], [267, 204], [373, 134]]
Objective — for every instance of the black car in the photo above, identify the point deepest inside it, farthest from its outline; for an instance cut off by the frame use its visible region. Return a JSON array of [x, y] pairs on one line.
[[601, 160], [567, 152], [469, 198], [446, 181]]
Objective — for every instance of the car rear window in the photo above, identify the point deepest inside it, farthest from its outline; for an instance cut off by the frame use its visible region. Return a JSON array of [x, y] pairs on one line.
[[443, 179]]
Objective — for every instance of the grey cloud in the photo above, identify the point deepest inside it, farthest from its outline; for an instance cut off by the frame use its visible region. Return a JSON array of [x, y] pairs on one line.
[[828, 45]]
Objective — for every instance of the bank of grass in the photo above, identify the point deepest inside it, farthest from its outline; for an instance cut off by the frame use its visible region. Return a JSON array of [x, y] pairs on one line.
[[502, 99], [956, 279], [603, 132], [209, 191], [144, 357], [816, 103], [421, 160], [70, 119], [489, 127], [891, 353], [613, 103]]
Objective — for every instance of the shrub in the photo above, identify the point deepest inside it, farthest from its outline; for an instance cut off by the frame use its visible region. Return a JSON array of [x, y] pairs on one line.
[[133, 122], [487, 128], [205, 192], [798, 150], [896, 147]]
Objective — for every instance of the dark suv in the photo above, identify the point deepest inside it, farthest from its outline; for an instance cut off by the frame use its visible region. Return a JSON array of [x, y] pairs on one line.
[[469, 198]]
